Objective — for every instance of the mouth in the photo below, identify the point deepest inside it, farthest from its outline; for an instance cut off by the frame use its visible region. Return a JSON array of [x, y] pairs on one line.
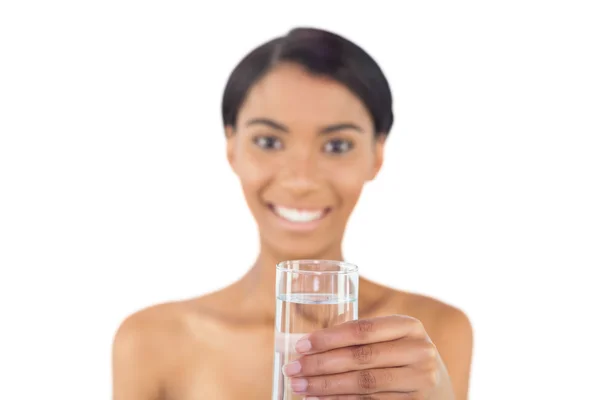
[[299, 216]]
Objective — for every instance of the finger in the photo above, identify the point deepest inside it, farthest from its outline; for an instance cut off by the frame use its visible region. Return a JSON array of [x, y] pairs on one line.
[[403, 379], [395, 353], [373, 330], [376, 396]]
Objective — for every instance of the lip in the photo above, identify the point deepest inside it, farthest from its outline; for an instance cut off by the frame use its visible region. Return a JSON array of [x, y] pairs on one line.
[[299, 226]]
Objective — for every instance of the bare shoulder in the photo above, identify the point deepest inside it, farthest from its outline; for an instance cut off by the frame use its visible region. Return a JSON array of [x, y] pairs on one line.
[[436, 315], [137, 356], [147, 345], [450, 330], [440, 317], [149, 325], [160, 329]]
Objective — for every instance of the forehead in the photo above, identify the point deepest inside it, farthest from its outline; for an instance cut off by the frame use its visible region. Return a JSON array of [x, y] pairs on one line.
[[291, 95]]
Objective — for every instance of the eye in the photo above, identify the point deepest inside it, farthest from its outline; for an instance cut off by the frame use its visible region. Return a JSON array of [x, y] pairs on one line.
[[338, 146], [268, 142]]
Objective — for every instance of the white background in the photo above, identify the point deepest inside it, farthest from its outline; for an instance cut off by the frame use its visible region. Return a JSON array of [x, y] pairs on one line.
[[115, 192]]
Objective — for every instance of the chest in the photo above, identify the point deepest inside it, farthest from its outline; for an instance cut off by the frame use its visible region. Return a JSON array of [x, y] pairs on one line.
[[231, 364]]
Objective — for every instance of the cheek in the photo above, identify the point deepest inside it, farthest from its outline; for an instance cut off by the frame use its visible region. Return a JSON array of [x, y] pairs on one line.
[[348, 186], [351, 191], [254, 174], [348, 177]]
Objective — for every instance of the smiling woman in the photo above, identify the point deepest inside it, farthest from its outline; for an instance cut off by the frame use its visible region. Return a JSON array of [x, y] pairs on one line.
[[306, 118], [303, 146]]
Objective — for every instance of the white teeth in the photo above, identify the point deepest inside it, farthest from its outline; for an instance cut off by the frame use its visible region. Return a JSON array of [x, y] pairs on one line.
[[294, 215]]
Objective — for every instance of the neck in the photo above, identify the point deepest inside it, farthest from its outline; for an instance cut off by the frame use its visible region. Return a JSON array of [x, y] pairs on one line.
[[259, 282]]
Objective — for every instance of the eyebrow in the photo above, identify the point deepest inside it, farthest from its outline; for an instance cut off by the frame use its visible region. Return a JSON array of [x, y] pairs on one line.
[[341, 127], [268, 122], [328, 129]]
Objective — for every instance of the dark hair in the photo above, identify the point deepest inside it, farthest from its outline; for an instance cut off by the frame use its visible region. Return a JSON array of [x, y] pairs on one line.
[[321, 53]]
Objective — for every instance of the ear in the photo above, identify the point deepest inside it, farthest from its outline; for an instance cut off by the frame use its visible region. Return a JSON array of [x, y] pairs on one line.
[[378, 155], [231, 139]]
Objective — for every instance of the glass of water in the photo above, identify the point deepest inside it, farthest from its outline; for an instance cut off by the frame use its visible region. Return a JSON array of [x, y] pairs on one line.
[[311, 295]]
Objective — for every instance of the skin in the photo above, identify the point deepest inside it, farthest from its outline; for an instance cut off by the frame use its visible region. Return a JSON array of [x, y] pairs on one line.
[[305, 142]]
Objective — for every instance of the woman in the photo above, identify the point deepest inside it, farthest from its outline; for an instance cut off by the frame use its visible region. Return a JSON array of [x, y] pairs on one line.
[[306, 118]]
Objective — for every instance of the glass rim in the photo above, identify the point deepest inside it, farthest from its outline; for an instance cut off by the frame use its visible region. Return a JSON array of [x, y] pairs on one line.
[[345, 267]]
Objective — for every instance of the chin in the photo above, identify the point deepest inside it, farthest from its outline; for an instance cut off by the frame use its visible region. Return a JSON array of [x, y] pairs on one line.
[[287, 249]]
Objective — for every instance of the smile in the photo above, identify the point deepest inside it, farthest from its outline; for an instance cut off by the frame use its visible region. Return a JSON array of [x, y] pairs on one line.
[[297, 215]]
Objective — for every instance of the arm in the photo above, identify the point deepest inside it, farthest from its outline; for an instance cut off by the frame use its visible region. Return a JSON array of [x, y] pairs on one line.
[[454, 341], [134, 366]]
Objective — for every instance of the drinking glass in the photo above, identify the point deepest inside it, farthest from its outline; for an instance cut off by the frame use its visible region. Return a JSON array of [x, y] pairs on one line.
[[311, 295]]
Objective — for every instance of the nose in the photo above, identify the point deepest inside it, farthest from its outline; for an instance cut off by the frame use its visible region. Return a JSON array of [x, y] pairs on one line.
[[299, 174]]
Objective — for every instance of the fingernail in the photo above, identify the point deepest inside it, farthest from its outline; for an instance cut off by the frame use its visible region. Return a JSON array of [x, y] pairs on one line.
[[303, 346], [292, 368], [299, 385]]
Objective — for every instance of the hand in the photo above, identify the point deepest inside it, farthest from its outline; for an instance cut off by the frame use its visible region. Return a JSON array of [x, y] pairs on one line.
[[387, 358]]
